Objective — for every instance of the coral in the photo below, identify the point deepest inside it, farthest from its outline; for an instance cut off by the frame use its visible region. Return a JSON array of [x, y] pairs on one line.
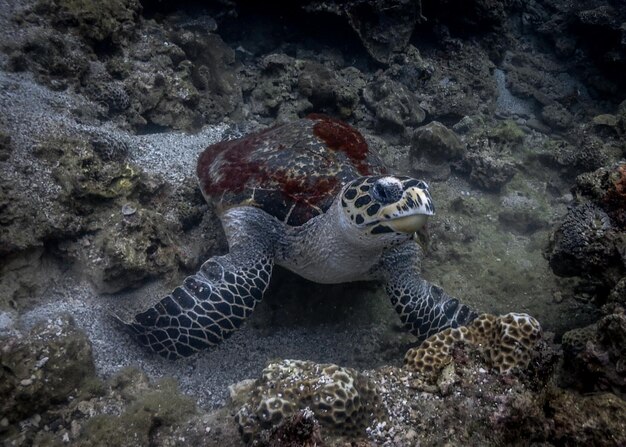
[[614, 199], [109, 93], [342, 399], [84, 169], [507, 343], [109, 147], [582, 244]]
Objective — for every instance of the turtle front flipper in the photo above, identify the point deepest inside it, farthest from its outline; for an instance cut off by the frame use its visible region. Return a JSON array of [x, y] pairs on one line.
[[210, 305], [424, 308]]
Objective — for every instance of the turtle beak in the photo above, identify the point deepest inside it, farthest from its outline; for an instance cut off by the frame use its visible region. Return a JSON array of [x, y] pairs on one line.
[[411, 212], [408, 224]]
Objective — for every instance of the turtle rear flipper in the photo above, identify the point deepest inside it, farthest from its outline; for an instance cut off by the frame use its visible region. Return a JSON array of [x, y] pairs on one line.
[[210, 305], [424, 308]]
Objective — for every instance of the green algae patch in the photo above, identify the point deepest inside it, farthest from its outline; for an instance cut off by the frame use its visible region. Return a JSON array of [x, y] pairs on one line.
[[84, 175], [44, 368], [148, 412], [507, 131]]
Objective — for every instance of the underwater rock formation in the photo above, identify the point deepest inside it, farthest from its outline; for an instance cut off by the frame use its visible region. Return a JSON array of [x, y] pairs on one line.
[[594, 356], [301, 430], [507, 343], [343, 400], [384, 26], [40, 369], [434, 148], [395, 107]]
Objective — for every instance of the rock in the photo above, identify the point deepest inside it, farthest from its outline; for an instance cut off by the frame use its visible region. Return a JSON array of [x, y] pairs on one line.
[[556, 116], [594, 356], [43, 368], [606, 120], [394, 106], [148, 412], [586, 155], [110, 23], [524, 213], [488, 170], [437, 142], [433, 147], [5, 146], [384, 26], [131, 248], [57, 60]]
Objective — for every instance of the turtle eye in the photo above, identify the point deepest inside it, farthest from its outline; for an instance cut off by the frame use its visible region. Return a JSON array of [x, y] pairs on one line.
[[387, 192]]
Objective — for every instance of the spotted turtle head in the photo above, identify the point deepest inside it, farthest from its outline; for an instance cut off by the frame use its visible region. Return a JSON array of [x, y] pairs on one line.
[[386, 205]]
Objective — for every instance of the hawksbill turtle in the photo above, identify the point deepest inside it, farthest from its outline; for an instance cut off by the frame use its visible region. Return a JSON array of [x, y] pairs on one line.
[[308, 195]]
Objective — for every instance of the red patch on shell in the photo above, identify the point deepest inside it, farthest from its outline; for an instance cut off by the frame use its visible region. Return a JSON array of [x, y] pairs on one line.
[[273, 164], [238, 167], [340, 136]]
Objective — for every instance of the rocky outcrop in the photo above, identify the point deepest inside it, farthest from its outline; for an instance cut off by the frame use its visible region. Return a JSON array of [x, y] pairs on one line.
[[384, 26]]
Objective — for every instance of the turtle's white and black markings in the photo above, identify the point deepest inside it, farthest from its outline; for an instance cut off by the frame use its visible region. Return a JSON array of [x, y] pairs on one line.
[[309, 196]]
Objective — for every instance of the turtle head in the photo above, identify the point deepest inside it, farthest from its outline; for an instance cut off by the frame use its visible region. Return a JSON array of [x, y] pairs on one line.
[[389, 206]]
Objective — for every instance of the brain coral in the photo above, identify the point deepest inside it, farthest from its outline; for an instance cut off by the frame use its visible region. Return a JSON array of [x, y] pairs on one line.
[[343, 400], [506, 342]]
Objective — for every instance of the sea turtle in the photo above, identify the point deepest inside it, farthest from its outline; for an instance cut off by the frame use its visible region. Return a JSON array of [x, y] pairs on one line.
[[308, 195]]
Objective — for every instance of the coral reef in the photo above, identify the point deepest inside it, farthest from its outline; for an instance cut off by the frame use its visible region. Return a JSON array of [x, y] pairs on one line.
[[518, 102], [343, 400], [507, 343]]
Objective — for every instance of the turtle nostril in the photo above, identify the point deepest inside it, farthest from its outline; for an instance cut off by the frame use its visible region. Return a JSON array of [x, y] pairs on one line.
[[380, 192]]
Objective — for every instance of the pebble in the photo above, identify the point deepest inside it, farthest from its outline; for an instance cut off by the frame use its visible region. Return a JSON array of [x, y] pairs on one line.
[[128, 209], [26, 382]]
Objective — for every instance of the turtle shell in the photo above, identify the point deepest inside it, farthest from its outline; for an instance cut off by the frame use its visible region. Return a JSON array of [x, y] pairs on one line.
[[292, 171]]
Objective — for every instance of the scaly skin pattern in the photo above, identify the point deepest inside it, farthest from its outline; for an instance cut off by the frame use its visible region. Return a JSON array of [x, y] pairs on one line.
[[210, 305], [424, 308]]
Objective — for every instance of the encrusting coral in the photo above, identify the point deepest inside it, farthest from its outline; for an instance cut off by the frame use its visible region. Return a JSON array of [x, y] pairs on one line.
[[506, 341], [343, 400]]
